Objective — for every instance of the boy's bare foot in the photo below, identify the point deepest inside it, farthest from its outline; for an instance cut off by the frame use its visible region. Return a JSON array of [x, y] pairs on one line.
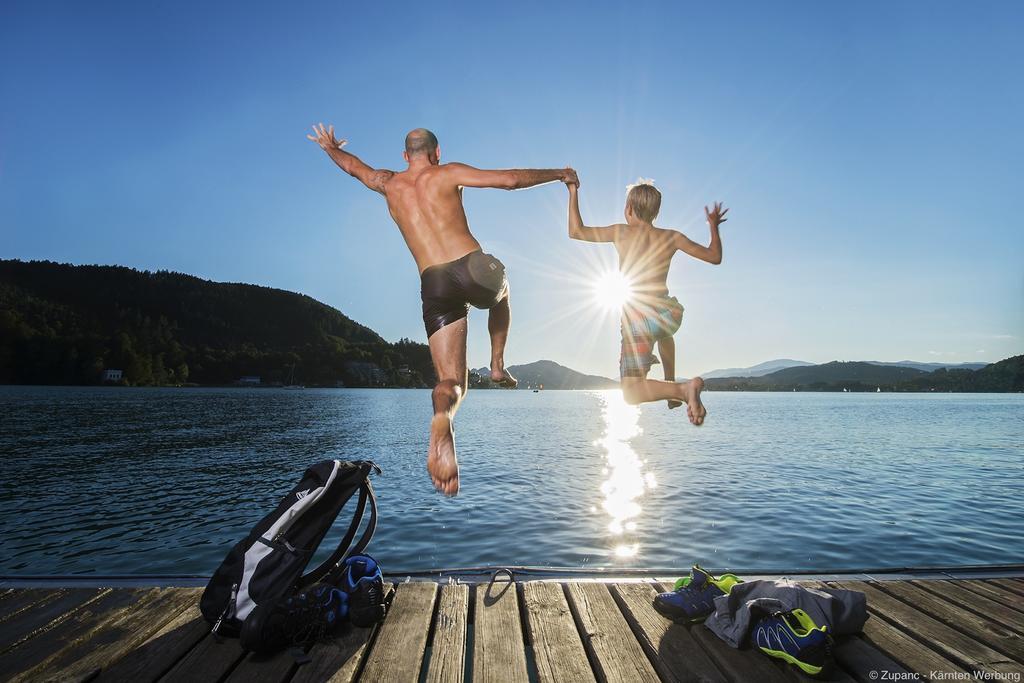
[[673, 403], [694, 408], [441, 462], [502, 377]]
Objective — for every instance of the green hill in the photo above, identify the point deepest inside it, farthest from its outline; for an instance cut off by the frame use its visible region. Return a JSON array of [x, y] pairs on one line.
[[547, 373], [1006, 375], [64, 324]]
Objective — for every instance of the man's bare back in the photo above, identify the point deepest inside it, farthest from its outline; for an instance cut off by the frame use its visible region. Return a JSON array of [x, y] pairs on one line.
[[426, 203]]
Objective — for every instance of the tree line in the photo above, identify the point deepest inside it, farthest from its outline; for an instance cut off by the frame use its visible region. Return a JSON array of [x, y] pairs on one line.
[[65, 324]]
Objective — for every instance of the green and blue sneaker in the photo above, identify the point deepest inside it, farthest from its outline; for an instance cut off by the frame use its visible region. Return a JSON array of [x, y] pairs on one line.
[[693, 598], [794, 637]]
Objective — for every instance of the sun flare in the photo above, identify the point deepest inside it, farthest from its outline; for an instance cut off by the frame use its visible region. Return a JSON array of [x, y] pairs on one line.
[[612, 289]]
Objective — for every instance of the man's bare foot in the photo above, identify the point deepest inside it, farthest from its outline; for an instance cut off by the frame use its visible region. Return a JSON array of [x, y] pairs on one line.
[[441, 462], [502, 377], [673, 403], [694, 408]]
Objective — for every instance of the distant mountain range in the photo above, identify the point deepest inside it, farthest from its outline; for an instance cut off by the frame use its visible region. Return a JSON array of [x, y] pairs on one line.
[[757, 370], [65, 324], [1006, 375], [790, 375], [930, 367], [549, 374], [771, 366]]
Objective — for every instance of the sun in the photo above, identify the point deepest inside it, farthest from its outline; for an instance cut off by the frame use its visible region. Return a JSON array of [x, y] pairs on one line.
[[612, 289]]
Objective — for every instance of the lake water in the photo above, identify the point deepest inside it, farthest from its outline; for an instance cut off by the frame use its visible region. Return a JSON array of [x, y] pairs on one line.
[[164, 481]]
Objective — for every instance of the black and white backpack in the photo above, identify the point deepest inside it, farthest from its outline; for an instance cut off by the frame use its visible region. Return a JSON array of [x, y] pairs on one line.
[[269, 562]]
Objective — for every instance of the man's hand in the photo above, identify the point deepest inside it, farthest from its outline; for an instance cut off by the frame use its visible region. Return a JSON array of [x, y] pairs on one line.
[[717, 214], [325, 138], [570, 178]]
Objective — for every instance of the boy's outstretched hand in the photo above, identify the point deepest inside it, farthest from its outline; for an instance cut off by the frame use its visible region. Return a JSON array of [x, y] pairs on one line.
[[325, 138], [716, 216]]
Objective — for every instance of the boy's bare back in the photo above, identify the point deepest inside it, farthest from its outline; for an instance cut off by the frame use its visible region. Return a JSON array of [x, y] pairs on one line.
[[645, 254]]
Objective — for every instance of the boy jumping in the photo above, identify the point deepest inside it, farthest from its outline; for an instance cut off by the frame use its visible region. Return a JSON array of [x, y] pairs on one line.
[[649, 315]]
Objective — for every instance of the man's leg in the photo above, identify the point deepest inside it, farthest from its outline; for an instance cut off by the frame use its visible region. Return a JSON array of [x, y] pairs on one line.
[[448, 351], [499, 318], [642, 390], [667, 351]]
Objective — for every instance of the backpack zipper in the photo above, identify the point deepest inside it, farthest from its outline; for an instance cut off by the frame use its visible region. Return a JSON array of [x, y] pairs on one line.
[[229, 610]]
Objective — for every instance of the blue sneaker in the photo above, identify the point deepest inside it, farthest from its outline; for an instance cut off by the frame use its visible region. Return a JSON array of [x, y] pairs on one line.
[[794, 637], [294, 620], [363, 582], [693, 599]]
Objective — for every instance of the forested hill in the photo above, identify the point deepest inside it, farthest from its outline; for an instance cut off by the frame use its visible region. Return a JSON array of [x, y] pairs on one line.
[[64, 324], [1006, 375]]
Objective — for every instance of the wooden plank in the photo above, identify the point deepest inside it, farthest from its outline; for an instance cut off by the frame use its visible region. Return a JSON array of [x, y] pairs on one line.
[[1011, 585], [54, 605], [557, 648], [906, 649], [397, 654], [499, 651], [982, 629], [887, 649], [676, 654], [339, 659], [209, 661], [994, 593], [264, 668], [614, 652], [162, 650], [61, 632], [448, 652], [954, 593], [336, 660], [747, 664], [865, 662], [962, 649], [113, 635], [20, 599]]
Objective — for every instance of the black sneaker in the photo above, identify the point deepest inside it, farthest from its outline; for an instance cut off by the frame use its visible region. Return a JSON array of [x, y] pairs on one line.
[[294, 620], [362, 579]]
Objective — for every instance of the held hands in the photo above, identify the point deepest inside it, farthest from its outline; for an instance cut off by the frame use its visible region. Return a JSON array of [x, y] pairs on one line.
[[716, 216], [571, 179], [325, 138]]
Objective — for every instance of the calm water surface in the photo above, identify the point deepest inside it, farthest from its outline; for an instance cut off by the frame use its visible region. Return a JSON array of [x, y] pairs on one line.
[[149, 481]]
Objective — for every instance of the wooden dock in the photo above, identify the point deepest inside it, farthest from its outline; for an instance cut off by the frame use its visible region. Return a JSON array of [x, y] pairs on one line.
[[504, 632]]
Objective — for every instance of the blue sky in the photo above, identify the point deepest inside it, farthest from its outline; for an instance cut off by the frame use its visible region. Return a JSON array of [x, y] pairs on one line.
[[870, 154]]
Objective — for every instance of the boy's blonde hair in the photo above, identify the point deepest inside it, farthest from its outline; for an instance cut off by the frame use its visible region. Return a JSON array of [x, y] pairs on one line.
[[644, 199]]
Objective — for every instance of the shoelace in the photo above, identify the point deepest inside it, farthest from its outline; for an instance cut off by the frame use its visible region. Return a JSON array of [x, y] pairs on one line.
[[305, 623]]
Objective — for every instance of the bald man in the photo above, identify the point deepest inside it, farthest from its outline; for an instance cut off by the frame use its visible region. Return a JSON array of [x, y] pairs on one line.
[[425, 200]]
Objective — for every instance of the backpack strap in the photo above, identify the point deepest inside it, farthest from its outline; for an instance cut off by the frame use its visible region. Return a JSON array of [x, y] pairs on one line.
[[343, 550], [371, 526]]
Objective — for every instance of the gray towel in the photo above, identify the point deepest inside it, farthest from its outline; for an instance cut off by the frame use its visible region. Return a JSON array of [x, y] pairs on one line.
[[843, 611]]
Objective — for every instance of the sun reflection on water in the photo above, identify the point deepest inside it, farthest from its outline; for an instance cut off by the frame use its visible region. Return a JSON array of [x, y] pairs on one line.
[[625, 481]]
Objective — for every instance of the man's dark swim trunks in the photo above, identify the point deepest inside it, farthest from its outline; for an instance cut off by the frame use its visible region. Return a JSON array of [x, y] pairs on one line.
[[448, 289]]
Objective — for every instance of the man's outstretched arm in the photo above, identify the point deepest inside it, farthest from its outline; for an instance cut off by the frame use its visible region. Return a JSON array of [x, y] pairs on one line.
[[713, 252], [373, 178], [508, 179], [578, 231]]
